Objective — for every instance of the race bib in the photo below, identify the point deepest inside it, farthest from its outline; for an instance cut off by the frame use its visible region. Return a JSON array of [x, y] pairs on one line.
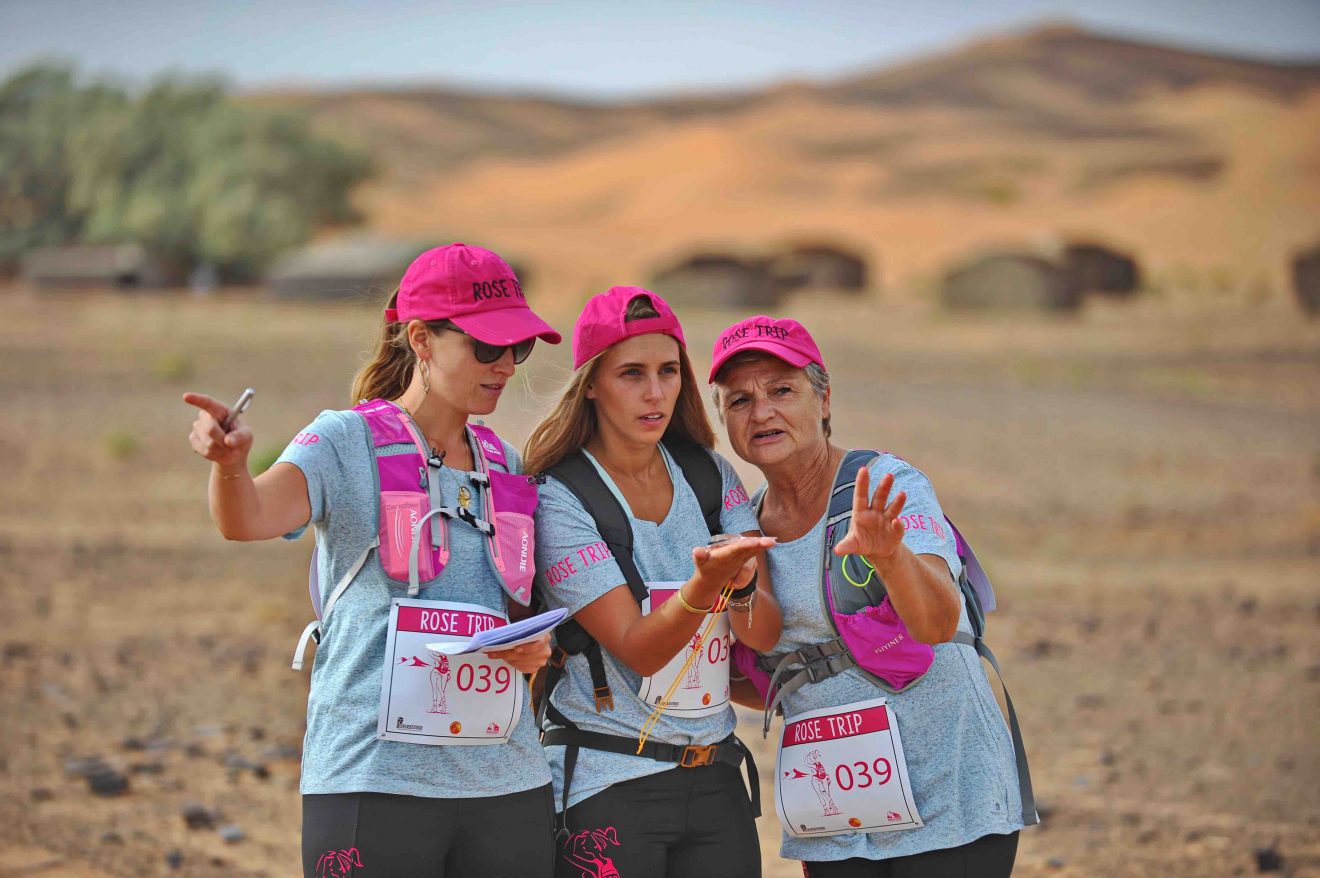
[[841, 769], [430, 698], [704, 687]]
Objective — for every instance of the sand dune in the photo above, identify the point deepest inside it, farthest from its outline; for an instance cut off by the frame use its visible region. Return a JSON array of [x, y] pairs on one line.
[[1205, 166]]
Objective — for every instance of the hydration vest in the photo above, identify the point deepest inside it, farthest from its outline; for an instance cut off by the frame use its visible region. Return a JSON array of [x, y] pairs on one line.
[[869, 635], [407, 474]]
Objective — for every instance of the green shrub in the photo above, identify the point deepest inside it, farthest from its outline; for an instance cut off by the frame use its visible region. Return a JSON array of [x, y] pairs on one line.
[[122, 445], [175, 368], [1002, 193], [177, 166], [260, 461]]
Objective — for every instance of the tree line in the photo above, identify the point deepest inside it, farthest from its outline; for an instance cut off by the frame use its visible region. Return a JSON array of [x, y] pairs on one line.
[[179, 166]]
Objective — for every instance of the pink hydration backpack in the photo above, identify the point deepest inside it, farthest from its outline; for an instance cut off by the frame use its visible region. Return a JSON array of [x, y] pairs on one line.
[[410, 509]]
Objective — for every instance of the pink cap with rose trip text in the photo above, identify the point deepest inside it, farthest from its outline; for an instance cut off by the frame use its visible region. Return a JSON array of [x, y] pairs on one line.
[[785, 339], [472, 288], [601, 323]]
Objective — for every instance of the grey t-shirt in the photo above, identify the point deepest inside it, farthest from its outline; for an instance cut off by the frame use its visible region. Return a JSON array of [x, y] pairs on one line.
[[575, 568], [341, 753], [957, 746]]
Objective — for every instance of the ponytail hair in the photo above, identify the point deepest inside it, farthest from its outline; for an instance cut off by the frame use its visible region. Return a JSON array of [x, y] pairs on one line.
[[390, 370]]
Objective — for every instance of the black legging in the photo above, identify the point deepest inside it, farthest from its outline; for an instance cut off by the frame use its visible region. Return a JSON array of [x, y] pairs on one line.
[[360, 835], [680, 823], [990, 856]]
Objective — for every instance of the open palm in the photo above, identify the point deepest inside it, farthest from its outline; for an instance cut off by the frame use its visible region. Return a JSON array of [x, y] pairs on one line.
[[876, 531]]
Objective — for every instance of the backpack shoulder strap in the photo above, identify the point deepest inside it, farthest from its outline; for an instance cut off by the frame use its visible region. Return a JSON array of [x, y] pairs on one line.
[[703, 476], [1029, 815], [584, 482], [578, 474], [848, 583], [841, 494], [490, 445]]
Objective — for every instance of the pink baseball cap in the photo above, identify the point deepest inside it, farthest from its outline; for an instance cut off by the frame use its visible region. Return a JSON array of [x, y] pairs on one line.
[[601, 323], [786, 339], [472, 288]]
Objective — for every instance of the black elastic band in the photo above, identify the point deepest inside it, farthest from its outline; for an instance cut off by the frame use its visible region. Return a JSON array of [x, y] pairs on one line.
[[741, 593]]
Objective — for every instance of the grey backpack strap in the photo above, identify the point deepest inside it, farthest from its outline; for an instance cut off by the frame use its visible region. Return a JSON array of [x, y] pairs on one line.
[[1029, 815], [780, 685], [314, 628], [840, 596], [811, 664]]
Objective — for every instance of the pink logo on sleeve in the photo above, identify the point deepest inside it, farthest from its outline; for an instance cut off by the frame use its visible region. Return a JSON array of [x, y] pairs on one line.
[[920, 521], [736, 497], [306, 439], [576, 562]]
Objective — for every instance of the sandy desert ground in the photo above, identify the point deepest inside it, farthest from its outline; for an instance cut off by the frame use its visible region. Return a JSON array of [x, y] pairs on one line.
[[1142, 481]]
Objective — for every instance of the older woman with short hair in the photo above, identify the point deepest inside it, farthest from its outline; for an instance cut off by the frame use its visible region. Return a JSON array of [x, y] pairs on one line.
[[855, 798]]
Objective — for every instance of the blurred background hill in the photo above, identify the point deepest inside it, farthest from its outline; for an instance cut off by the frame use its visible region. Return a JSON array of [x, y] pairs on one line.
[[1202, 166], [1194, 161]]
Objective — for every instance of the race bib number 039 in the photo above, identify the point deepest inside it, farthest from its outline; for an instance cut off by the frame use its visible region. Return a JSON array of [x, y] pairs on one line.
[[841, 769], [429, 698], [703, 689]]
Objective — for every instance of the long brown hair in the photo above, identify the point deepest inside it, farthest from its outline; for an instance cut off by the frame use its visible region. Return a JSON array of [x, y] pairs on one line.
[[572, 422], [389, 371]]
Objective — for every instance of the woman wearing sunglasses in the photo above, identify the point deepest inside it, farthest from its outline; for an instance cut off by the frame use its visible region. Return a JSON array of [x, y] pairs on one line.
[[415, 762]]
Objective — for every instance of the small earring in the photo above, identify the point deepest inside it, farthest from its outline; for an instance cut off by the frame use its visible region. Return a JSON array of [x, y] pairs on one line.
[[425, 369]]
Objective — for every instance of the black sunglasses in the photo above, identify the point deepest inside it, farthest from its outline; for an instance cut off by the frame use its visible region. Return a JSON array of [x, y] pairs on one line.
[[490, 353]]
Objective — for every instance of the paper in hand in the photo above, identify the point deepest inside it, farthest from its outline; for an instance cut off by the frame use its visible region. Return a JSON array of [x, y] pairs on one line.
[[505, 636]]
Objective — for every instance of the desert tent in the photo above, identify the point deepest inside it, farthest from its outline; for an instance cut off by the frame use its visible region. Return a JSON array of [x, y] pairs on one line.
[[1009, 280], [716, 280], [357, 267], [73, 266], [819, 266]]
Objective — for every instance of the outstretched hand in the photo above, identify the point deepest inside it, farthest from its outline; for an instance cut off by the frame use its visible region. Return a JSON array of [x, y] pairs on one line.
[[730, 561], [876, 530], [208, 437]]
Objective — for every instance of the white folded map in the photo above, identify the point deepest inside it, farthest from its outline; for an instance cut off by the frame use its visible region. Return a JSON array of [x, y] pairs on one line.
[[503, 637]]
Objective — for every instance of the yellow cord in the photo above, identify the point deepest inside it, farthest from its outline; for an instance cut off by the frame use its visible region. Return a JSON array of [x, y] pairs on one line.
[[649, 725]]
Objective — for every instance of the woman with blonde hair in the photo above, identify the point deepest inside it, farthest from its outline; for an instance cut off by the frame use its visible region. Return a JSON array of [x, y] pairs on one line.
[[637, 721], [418, 515]]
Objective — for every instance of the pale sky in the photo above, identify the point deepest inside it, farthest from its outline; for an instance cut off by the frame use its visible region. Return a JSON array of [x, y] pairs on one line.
[[588, 48]]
